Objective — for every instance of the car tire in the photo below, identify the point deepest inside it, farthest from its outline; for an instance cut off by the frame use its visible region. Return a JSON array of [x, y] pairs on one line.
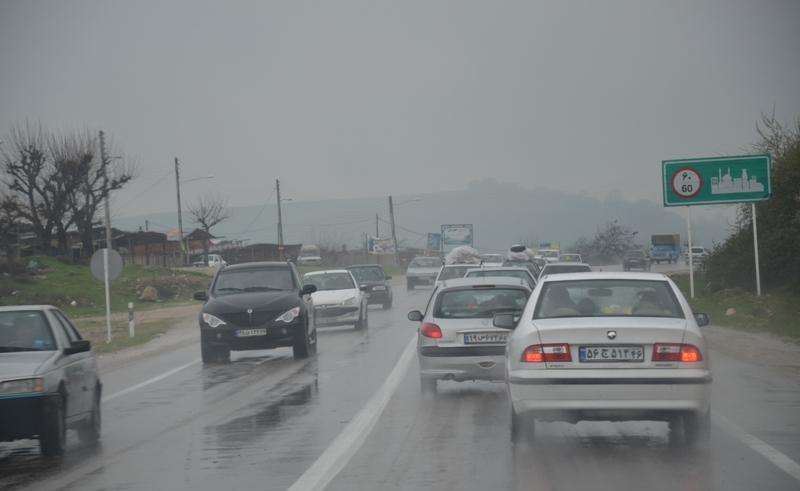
[[697, 428], [428, 386], [302, 345], [89, 432], [363, 320], [53, 439], [523, 430]]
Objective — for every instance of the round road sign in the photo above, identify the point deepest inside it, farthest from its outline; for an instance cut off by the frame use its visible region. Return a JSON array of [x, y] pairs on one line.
[[114, 264], [686, 182]]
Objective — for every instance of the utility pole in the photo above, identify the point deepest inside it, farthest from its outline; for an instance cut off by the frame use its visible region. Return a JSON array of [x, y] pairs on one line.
[[377, 227], [394, 233], [184, 249], [109, 241], [280, 217], [147, 225]]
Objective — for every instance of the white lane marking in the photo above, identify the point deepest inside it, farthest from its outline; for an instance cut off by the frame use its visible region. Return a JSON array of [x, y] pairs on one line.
[[775, 456], [149, 381], [350, 439]]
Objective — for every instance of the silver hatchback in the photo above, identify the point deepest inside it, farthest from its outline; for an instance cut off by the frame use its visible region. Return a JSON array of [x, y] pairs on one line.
[[456, 338]]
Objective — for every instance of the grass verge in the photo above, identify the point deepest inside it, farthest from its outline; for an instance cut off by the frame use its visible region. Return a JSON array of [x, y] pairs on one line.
[[777, 311]]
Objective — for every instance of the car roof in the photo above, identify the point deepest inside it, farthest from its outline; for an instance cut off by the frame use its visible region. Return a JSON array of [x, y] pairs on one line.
[[258, 264], [566, 263], [502, 268], [495, 280], [19, 308], [365, 266], [327, 271], [604, 275]]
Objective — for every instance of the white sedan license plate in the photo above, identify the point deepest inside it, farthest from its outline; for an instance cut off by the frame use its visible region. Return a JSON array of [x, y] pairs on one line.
[[611, 354], [247, 333], [485, 338]]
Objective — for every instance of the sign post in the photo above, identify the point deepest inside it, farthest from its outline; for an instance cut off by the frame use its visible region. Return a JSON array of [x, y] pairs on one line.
[[106, 266], [717, 180], [456, 235]]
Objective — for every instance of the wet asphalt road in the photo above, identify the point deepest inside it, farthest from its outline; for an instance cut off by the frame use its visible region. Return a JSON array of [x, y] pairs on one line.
[[261, 421]]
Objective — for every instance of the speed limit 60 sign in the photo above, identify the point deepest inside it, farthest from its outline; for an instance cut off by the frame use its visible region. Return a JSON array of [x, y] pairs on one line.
[[716, 180]]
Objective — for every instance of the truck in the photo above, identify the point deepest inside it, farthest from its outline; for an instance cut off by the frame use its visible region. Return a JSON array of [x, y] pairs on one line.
[[665, 247]]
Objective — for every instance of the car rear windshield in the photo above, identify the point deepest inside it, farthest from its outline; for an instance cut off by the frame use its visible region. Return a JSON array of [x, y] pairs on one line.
[[330, 281], [607, 298], [451, 272], [504, 273], [479, 303], [232, 281], [25, 331], [425, 262], [566, 268], [368, 273]]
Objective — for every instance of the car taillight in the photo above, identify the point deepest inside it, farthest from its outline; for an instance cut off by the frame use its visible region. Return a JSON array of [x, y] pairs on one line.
[[539, 353], [430, 330], [685, 353]]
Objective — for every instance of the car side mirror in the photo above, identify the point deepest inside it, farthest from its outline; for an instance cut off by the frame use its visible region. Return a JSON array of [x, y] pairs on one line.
[[504, 321], [308, 289], [78, 346], [702, 319], [202, 296], [363, 288], [415, 316]]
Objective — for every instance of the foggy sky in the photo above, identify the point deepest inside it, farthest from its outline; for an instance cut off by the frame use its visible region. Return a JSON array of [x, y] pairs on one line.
[[364, 98]]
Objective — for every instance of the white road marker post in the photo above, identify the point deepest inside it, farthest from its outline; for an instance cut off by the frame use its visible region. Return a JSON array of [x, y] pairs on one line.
[[755, 248], [107, 282], [691, 260], [131, 321]]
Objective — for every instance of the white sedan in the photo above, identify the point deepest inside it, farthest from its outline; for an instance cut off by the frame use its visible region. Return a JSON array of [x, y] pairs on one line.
[[608, 346], [338, 300]]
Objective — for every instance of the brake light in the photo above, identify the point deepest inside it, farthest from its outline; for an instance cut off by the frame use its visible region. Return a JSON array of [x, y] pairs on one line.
[[553, 353], [430, 330], [685, 353]]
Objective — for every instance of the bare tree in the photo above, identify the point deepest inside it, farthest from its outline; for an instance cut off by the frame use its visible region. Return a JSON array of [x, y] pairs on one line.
[[208, 212], [9, 223]]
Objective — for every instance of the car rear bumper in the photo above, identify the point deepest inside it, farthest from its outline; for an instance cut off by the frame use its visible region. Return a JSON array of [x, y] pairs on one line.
[[462, 363], [379, 296], [421, 279], [276, 336], [608, 394], [336, 316]]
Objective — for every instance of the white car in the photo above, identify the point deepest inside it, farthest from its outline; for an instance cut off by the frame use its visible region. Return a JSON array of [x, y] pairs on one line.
[[453, 271], [422, 271], [214, 261], [608, 346], [561, 268], [492, 259], [456, 339], [519, 272], [549, 255], [338, 300]]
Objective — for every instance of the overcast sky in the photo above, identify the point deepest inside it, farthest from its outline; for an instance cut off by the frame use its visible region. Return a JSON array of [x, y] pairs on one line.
[[367, 98]]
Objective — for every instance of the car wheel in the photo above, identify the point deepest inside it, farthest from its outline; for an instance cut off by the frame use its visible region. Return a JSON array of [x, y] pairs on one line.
[[697, 428], [361, 323], [302, 344], [523, 429], [223, 354], [207, 352], [53, 439], [428, 386], [89, 433]]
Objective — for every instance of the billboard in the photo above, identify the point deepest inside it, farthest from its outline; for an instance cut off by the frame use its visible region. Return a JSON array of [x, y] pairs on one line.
[[716, 180], [378, 245], [456, 235], [434, 242]]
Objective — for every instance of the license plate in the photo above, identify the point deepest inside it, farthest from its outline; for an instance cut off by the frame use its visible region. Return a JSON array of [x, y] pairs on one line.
[[485, 338], [247, 333], [379, 288], [611, 354]]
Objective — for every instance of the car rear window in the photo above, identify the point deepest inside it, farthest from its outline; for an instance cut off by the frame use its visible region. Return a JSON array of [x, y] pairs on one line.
[[449, 273], [479, 303], [26, 330], [503, 273], [368, 273], [425, 262], [607, 298], [566, 268]]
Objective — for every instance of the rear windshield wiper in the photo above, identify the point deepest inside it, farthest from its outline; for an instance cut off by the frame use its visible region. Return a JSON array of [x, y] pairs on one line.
[[262, 289], [10, 349]]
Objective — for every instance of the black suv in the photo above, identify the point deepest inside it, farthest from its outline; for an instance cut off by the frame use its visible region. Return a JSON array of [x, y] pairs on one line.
[[374, 278], [255, 306], [636, 259]]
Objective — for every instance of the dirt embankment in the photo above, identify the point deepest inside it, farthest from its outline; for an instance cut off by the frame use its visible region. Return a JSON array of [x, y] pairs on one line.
[[758, 348]]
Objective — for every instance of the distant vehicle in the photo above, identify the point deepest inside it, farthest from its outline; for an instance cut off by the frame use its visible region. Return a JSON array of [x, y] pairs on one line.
[[570, 258], [214, 261], [256, 306], [422, 271], [309, 256], [520, 272], [48, 379], [608, 346], [637, 259], [338, 299], [561, 268], [492, 259], [456, 340], [453, 271], [520, 256], [379, 290], [665, 247], [699, 255], [549, 255]]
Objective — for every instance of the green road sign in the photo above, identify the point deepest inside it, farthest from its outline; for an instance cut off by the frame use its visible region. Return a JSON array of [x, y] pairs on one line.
[[716, 180]]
